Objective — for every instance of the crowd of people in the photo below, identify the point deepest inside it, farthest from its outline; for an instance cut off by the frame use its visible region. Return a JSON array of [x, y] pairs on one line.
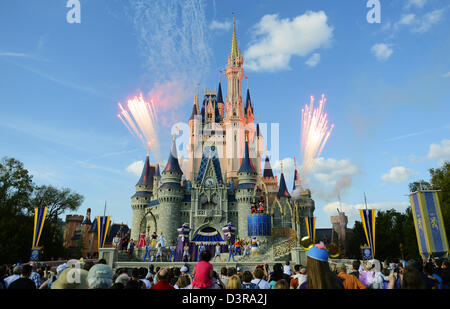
[[318, 273]]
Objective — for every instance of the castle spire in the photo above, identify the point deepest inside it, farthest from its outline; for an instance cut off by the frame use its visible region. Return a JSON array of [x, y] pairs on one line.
[[234, 50], [283, 191], [172, 163], [247, 165], [147, 173]]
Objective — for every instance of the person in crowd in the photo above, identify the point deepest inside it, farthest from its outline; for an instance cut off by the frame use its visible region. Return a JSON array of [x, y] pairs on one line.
[[234, 283], [100, 277], [71, 279], [17, 272], [299, 277], [123, 279], [88, 265], [432, 274], [143, 278], [410, 278], [258, 274], [278, 274], [247, 283], [134, 283], [203, 272], [287, 269], [319, 274], [49, 279], [224, 275], [379, 278], [34, 275], [350, 282], [281, 285], [367, 273], [183, 283], [163, 283], [23, 283], [217, 282], [445, 275], [355, 268]]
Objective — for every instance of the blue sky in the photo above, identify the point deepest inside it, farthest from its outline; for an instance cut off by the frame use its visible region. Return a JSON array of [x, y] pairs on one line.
[[387, 87]]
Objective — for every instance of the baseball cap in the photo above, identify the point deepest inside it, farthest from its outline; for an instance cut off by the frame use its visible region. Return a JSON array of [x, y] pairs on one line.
[[184, 269]]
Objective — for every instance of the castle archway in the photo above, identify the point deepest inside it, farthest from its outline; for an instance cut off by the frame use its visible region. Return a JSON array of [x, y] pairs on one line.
[[144, 227]]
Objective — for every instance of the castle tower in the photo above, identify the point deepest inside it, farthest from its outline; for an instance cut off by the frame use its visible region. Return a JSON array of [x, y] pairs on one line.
[[244, 192], [234, 119], [143, 195], [259, 148], [170, 195], [156, 181]]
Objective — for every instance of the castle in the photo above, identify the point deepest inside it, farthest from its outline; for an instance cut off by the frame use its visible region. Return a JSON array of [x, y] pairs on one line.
[[224, 175]]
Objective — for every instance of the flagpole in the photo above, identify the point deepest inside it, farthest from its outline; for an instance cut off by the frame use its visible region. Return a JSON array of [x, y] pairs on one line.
[[365, 200]]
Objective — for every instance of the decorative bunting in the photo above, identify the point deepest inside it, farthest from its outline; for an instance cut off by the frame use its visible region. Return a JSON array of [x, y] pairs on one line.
[[102, 229], [311, 228], [368, 221]]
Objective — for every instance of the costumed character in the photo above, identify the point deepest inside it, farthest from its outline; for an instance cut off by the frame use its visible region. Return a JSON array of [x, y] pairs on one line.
[[162, 240], [116, 241], [217, 254], [159, 252], [142, 242], [261, 207], [230, 252], [254, 209], [255, 246], [186, 253], [246, 250], [153, 242], [172, 252], [201, 248], [147, 253], [237, 245]]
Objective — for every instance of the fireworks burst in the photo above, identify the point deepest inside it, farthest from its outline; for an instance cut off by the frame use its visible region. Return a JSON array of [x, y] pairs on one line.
[[139, 117], [315, 132]]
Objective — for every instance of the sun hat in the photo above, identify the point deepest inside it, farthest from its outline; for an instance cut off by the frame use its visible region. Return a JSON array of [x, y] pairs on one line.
[[71, 279], [184, 269], [318, 252], [61, 268]]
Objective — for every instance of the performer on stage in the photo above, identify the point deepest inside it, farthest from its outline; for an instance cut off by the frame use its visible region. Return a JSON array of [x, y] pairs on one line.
[[201, 248], [261, 207], [162, 240], [254, 209], [172, 251], [217, 254], [142, 242], [159, 252], [230, 252], [237, 245], [246, 250], [147, 253], [255, 249], [153, 242], [186, 253]]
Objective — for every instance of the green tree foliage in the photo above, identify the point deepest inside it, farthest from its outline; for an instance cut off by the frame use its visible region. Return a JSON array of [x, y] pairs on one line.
[[18, 198], [395, 233]]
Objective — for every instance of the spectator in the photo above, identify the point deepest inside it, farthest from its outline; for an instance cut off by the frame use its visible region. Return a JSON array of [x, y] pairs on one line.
[[319, 274], [259, 279], [379, 278], [163, 283], [281, 285], [350, 282], [143, 278], [431, 274], [123, 279], [203, 272], [34, 275], [247, 283], [367, 273], [299, 277], [278, 274], [218, 283], [102, 261], [445, 274], [88, 265], [234, 283], [100, 277], [17, 272], [176, 272], [287, 269], [223, 275], [71, 279], [23, 283], [183, 283], [355, 265]]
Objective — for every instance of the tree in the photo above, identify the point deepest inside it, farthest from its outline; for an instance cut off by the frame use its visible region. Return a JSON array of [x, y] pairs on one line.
[[440, 180], [57, 201], [18, 198]]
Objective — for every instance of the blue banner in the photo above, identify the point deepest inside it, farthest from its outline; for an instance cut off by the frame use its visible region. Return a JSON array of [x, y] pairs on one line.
[[429, 223]]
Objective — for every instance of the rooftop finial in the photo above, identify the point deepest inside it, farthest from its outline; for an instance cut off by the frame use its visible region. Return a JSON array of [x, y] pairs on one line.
[[281, 165], [234, 51]]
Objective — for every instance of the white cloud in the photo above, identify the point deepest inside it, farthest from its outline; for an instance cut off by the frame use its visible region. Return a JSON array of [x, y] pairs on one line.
[[352, 210], [398, 174], [407, 19], [440, 151], [278, 40], [446, 75], [135, 168], [428, 20], [288, 168], [331, 171], [416, 3], [313, 60], [382, 51], [217, 25]]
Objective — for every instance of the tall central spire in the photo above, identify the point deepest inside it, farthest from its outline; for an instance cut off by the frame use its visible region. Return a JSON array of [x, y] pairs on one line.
[[234, 47]]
